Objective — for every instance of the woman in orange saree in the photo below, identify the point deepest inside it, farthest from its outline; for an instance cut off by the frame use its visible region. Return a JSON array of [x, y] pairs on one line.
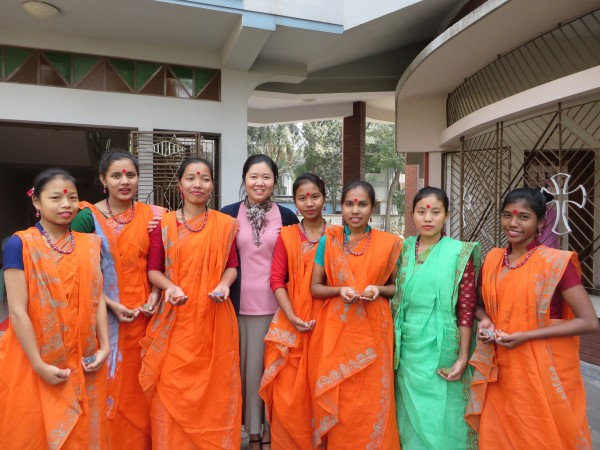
[[190, 361], [284, 386], [527, 391], [351, 347], [122, 225], [52, 380]]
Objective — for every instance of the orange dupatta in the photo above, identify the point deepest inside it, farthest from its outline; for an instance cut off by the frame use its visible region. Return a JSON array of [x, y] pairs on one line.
[[190, 359], [64, 292], [125, 250], [284, 386], [531, 396], [351, 349]]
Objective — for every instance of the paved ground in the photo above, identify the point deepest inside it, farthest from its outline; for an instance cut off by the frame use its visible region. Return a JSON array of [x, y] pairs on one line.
[[591, 378]]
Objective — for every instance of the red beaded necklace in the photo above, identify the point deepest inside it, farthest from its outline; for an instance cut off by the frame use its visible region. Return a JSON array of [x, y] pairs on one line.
[[516, 266], [112, 216], [305, 234], [194, 230], [55, 248], [349, 250]]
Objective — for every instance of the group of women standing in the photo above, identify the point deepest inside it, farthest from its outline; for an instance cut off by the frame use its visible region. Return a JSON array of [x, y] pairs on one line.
[[352, 337]]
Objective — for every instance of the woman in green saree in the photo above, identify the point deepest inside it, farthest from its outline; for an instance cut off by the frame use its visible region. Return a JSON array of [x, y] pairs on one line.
[[433, 312]]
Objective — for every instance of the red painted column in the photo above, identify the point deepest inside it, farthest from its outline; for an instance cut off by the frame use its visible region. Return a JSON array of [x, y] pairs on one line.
[[353, 144], [411, 187]]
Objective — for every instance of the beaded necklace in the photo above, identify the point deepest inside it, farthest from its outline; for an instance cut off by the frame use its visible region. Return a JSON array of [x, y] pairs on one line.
[[55, 248], [349, 250], [516, 266], [112, 216], [305, 234], [194, 230], [426, 253]]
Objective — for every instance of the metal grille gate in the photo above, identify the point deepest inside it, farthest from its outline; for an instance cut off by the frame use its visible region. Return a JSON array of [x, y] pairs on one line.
[[160, 154], [559, 151]]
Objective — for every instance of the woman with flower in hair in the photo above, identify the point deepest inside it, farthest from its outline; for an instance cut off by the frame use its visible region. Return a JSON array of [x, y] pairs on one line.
[[52, 375]]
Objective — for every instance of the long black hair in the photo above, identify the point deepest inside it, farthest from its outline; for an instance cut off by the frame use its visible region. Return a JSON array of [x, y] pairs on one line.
[[368, 187], [308, 178], [429, 191], [532, 198], [115, 155], [45, 177], [193, 160]]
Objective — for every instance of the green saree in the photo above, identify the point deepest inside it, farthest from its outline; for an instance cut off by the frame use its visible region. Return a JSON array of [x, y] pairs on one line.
[[430, 410]]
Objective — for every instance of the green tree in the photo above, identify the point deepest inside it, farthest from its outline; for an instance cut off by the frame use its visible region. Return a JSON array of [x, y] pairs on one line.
[[380, 153], [322, 150]]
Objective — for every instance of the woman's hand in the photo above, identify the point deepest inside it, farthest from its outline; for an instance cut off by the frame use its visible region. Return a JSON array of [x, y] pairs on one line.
[[349, 295], [149, 308], [487, 337], [219, 294], [100, 355], [301, 325], [52, 374], [122, 313], [456, 370], [175, 296], [510, 340], [153, 224], [370, 293]]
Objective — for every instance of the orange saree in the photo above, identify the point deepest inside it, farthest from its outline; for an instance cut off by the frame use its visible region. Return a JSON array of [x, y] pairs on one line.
[[125, 252], [351, 350], [531, 396], [284, 386], [64, 291], [190, 359]]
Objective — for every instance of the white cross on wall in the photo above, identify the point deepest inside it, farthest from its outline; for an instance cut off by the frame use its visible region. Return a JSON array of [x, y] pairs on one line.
[[561, 199]]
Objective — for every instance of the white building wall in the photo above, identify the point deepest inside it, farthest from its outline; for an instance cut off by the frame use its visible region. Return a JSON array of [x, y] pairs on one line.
[[53, 105]]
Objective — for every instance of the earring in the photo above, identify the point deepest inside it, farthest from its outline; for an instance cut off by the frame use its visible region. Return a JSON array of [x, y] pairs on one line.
[[540, 231], [371, 219], [180, 194], [297, 212], [37, 213], [104, 190], [324, 208]]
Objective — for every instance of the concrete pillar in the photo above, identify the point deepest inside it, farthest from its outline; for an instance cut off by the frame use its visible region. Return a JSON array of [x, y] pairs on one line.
[[353, 144]]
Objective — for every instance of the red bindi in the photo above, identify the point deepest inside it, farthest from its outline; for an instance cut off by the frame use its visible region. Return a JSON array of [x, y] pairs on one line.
[[428, 206], [515, 212], [355, 200], [124, 171], [197, 173], [65, 191]]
